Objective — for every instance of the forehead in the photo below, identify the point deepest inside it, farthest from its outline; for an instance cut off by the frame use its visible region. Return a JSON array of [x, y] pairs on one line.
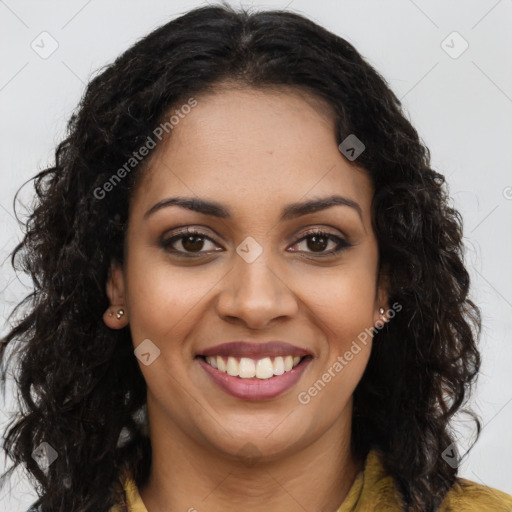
[[252, 149]]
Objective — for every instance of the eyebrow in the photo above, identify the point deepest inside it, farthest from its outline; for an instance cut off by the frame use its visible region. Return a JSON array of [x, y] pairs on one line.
[[290, 212]]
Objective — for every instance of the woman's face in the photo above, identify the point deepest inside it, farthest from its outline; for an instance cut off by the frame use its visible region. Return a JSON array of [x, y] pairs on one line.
[[251, 276]]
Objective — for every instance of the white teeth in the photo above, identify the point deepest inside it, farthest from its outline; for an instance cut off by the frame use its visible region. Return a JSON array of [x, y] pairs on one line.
[[247, 368], [232, 367], [221, 365], [278, 366], [264, 369]]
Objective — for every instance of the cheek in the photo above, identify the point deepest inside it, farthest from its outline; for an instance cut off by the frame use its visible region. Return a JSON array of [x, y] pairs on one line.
[[347, 313], [344, 301], [161, 300], [161, 303], [343, 311], [161, 293]]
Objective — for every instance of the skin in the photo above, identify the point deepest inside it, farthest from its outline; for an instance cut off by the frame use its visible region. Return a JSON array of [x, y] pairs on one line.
[[254, 152]]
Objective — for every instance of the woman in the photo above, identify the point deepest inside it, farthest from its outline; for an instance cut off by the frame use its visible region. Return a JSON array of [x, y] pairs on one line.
[[249, 287]]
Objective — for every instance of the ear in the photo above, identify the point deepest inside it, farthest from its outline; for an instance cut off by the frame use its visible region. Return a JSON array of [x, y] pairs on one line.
[[381, 299], [116, 315]]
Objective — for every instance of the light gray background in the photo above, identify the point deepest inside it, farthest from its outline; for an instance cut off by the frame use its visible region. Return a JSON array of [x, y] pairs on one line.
[[462, 108]]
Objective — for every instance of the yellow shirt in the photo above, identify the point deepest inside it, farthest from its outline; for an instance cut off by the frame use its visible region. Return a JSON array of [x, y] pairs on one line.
[[373, 490]]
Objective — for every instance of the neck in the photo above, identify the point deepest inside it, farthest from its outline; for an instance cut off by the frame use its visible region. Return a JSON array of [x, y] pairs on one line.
[[186, 476]]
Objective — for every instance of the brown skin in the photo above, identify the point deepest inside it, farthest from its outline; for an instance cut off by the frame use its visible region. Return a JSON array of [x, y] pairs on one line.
[[254, 152]]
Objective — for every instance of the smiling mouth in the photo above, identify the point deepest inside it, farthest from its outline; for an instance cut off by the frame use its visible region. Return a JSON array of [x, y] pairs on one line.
[[249, 368]]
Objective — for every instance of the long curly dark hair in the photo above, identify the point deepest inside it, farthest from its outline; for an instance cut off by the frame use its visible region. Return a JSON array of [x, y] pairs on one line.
[[80, 385]]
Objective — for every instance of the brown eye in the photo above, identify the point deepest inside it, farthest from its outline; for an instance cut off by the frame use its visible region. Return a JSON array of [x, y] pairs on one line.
[[192, 243], [187, 243], [318, 241]]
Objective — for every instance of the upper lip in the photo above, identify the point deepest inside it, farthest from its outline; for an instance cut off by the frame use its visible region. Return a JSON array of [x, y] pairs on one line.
[[256, 350]]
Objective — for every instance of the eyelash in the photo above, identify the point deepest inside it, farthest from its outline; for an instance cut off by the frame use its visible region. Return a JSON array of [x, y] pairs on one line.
[[167, 243]]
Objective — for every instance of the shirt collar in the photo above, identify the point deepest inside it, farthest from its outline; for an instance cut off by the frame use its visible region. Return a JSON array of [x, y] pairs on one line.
[[372, 489]]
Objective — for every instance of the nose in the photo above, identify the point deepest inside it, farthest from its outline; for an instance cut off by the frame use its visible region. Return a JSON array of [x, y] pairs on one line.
[[256, 293]]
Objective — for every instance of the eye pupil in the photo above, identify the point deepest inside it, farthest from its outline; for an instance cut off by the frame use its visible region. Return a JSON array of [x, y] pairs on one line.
[[313, 242], [190, 243]]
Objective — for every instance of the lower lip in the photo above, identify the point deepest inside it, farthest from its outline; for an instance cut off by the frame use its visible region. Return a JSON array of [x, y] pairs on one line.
[[255, 389]]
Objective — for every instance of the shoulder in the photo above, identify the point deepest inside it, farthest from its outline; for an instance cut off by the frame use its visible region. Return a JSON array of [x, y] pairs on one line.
[[464, 495], [130, 501], [468, 496]]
